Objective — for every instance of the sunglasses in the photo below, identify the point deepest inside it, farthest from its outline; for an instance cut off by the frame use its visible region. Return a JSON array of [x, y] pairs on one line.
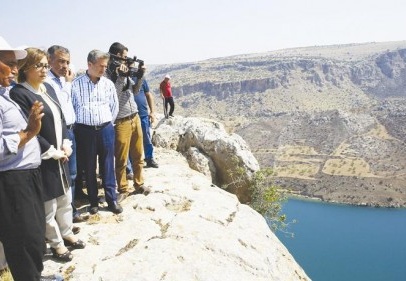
[[39, 66]]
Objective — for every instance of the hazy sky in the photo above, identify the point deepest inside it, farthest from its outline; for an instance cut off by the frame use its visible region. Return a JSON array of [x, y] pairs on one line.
[[173, 31]]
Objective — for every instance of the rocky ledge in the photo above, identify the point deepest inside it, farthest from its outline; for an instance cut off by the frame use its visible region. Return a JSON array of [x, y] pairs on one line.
[[185, 229]]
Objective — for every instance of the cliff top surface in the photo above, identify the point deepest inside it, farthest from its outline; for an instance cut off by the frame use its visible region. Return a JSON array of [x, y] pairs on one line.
[[185, 229]]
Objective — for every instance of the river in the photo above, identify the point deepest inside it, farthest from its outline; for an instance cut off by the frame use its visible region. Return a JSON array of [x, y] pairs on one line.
[[335, 242]]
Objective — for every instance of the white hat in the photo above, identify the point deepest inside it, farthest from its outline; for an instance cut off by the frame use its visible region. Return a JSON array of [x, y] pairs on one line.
[[19, 52], [167, 76]]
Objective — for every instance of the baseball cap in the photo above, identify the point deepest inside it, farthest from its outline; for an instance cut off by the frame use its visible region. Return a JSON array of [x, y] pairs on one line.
[[167, 76], [19, 52]]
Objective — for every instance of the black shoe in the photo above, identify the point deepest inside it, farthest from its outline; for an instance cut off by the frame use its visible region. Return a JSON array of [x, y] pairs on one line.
[[115, 208], [54, 277], [130, 176], [75, 245], [152, 164], [65, 257], [94, 210]]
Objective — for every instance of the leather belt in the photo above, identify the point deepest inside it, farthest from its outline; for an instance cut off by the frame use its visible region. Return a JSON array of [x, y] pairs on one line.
[[129, 117], [93, 127]]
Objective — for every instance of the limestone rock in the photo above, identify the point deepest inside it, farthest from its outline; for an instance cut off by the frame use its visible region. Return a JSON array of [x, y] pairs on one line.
[[185, 229], [200, 162], [229, 153]]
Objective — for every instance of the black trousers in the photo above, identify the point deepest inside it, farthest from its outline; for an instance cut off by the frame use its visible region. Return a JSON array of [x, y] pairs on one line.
[[22, 223], [92, 143], [171, 105]]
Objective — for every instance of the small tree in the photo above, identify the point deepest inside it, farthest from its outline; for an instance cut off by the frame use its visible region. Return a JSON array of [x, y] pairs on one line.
[[267, 199]]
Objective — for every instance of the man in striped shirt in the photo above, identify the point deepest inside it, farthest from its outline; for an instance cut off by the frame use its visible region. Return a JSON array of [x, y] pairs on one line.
[[129, 139], [95, 102]]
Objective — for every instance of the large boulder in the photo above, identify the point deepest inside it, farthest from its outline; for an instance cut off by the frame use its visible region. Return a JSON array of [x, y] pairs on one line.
[[228, 154]]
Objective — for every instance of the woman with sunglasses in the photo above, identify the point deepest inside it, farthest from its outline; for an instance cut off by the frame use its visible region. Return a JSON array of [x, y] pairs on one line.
[[55, 150]]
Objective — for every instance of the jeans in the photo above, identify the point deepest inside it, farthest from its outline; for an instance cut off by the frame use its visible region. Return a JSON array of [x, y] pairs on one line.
[[73, 169], [146, 133], [91, 143]]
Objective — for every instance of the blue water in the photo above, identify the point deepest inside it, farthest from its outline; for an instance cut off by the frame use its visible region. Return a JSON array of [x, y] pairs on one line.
[[345, 243]]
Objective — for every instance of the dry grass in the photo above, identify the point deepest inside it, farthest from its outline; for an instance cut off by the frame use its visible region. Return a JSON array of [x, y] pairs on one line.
[[347, 167]]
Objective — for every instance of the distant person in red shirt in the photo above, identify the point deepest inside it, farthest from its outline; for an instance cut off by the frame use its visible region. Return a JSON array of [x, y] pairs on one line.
[[166, 94]]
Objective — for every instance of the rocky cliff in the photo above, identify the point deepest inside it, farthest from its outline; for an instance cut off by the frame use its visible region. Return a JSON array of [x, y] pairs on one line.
[[185, 229], [328, 119]]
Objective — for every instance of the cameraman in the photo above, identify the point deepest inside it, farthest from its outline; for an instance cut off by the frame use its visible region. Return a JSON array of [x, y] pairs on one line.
[[128, 139]]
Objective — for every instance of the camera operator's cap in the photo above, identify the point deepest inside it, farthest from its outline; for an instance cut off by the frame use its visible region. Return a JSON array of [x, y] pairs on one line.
[[167, 76], [19, 52]]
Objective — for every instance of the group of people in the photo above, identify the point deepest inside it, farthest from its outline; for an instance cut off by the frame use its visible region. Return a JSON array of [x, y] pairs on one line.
[[57, 129]]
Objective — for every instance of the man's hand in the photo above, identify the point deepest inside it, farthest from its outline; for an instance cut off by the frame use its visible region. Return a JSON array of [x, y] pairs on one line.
[[152, 118], [34, 124], [34, 119], [121, 69], [69, 75]]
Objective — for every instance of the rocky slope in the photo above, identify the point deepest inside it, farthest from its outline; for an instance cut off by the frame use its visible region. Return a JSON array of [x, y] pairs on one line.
[[328, 119], [185, 229]]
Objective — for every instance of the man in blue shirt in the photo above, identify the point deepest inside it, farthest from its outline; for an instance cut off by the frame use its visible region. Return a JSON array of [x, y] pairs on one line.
[[146, 110]]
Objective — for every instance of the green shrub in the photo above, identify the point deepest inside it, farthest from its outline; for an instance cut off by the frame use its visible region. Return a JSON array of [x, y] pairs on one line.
[[267, 199]]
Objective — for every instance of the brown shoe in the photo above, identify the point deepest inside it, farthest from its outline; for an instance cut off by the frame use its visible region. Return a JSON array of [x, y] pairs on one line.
[[142, 189]]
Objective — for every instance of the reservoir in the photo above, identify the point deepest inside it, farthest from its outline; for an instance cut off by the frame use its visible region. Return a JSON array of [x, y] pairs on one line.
[[335, 242]]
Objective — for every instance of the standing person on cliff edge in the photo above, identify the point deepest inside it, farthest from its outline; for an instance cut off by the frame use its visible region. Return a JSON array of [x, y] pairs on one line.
[[166, 94]]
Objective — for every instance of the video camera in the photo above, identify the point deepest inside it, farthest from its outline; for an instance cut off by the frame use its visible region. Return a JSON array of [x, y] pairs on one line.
[[138, 72]]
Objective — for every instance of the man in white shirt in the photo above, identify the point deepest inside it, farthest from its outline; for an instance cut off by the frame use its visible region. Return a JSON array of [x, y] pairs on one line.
[[60, 77]]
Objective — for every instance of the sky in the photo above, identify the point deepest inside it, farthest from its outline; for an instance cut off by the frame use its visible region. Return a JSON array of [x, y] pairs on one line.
[[179, 31]]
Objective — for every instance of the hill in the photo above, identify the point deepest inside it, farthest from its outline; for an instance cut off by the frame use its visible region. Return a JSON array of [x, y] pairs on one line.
[[328, 119]]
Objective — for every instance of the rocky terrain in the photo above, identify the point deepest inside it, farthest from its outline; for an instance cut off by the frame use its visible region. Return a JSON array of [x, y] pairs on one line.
[[329, 120], [186, 228]]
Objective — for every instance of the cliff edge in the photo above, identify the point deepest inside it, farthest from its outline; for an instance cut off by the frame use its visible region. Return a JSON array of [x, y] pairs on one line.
[[185, 229]]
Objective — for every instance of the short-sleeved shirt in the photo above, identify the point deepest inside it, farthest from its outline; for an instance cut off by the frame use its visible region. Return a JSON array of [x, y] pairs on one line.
[[166, 89], [141, 99]]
